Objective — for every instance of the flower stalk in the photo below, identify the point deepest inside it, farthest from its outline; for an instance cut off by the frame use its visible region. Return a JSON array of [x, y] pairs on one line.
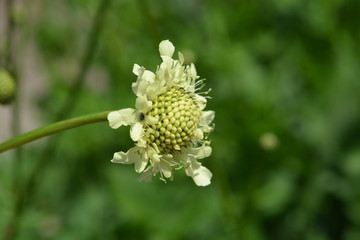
[[53, 128]]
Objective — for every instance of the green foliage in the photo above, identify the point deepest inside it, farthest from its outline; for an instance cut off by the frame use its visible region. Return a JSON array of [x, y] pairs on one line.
[[285, 67]]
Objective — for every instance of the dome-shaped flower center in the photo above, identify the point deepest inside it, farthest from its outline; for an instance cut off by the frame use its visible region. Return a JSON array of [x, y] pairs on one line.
[[178, 116]]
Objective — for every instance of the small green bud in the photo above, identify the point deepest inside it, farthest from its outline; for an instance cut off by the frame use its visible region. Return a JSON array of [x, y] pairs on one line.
[[7, 87]]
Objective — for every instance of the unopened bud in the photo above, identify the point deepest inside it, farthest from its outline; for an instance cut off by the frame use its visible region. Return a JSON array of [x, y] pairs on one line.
[[7, 87]]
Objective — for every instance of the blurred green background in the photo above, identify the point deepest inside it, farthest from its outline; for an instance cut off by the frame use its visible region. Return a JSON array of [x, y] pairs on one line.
[[285, 88]]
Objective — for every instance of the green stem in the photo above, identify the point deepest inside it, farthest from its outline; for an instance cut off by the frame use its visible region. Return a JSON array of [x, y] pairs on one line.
[[51, 129]]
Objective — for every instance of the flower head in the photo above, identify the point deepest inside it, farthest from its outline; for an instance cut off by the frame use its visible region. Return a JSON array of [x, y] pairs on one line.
[[168, 125]]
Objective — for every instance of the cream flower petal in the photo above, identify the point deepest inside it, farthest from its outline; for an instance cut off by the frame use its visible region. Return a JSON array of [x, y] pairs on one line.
[[142, 143], [135, 156], [125, 158], [201, 101], [136, 131], [190, 165], [148, 76], [163, 72], [152, 154], [136, 69], [207, 117], [167, 63], [166, 48], [193, 71], [142, 88], [181, 58], [142, 104], [166, 169], [154, 89], [201, 176], [139, 87], [205, 120], [151, 93], [120, 157], [144, 75], [200, 152], [140, 164], [121, 117], [146, 176]]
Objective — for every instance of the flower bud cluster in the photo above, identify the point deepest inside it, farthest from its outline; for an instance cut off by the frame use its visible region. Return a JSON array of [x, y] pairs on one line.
[[178, 116]]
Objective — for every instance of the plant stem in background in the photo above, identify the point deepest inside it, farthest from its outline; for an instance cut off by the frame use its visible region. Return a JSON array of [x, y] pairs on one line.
[[9, 36], [10, 66], [51, 129], [89, 52], [63, 112]]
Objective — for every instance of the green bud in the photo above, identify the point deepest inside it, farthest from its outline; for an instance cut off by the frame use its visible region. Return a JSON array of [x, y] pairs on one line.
[[7, 87]]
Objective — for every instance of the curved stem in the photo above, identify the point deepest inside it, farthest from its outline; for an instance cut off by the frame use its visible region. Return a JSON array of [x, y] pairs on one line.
[[51, 129]]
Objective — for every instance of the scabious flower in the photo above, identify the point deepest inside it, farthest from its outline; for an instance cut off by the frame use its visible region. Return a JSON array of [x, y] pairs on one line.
[[168, 125]]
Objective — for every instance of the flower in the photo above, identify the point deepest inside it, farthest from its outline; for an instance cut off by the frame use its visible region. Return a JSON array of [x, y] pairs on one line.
[[168, 125]]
